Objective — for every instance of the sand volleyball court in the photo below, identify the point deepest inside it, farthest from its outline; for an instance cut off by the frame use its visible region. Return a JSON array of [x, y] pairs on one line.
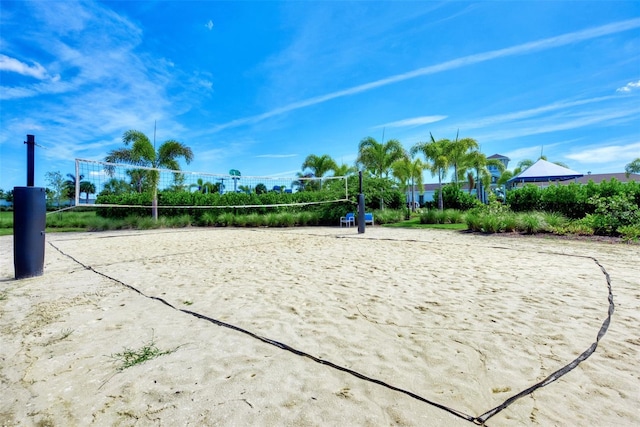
[[319, 326]]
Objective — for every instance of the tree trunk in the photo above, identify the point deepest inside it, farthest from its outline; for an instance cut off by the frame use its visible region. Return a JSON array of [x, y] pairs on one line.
[[154, 205], [440, 201]]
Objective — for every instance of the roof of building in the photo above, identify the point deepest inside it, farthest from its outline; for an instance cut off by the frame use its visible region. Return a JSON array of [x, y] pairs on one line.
[[498, 156], [543, 170], [597, 178]]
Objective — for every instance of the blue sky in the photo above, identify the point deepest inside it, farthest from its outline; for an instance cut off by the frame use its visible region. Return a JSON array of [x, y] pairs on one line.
[[258, 86]]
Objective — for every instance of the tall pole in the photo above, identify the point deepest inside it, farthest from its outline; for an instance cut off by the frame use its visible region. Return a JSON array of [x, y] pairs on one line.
[[31, 145], [360, 206]]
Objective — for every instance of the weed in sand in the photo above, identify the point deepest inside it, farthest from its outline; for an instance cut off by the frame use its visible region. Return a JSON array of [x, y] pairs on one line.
[[130, 357]]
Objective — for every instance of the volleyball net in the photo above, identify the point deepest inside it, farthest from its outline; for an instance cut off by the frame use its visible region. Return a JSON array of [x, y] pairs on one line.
[[114, 185]]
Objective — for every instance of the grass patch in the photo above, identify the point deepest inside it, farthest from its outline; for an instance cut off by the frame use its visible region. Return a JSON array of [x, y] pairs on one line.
[[415, 223], [130, 357]]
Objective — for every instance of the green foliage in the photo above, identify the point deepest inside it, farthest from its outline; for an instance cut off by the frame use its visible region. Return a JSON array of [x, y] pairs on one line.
[[455, 198], [530, 223], [613, 212], [447, 216], [607, 205], [524, 199], [569, 200], [630, 233], [388, 216], [131, 357]]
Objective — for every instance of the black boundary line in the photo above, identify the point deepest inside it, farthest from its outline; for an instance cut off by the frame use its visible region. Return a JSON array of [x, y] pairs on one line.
[[480, 420]]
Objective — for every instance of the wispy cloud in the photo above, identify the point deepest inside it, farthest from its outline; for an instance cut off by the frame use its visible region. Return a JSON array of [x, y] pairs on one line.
[[36, 70], [415, 121], [562, 122], [531, 112], [94, 96], [275, 156], [522, 49], [610, 153], [629, 87]]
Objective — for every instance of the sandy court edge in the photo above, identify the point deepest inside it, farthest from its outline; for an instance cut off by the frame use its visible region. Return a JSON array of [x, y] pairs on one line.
[[462, 320]]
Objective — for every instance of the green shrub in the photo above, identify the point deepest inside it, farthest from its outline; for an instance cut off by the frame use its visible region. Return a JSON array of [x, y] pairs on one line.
[[490, 224], [530, 223], [455, 216], [554, 220], [255, 220], [580, 227], [629, 233], [453, 197], [525, 199], [473, 221], [613, 212], [207, 219], [429, 216], [224, 219], [508, 222], [569, 200]]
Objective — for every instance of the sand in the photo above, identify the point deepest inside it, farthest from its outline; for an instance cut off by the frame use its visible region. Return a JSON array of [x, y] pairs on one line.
[[462, 321]]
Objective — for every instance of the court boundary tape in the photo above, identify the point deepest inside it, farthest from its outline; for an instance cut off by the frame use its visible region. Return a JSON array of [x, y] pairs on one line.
[[478, 420]]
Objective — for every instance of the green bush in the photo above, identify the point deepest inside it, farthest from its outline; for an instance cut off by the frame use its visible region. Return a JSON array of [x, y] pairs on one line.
[[453, 197], [530, 223], [429, 216], [568, 200], [490, 224], [613, 212], [524, 199], [473, 221], [629, 233]]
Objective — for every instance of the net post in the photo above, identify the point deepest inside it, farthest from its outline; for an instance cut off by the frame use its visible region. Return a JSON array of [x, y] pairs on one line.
[[77, 189], [361, 225]]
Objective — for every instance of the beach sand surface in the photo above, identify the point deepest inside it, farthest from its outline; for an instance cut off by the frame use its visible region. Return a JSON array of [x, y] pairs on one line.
[[390, 327]]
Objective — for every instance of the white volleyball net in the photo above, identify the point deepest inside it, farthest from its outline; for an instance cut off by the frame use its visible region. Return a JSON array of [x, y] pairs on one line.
[[115, 185]]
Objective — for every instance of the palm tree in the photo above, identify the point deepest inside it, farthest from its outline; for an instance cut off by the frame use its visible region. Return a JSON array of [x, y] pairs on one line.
[[116, 186], [70, 186], [344, 170], [319, 165], [204, 187], [378, 157], [633, 167], [143, 153], [245, 188], [482, 178], [305, 182], [87, 188], [409, 173], [438, 162], [460, 156]]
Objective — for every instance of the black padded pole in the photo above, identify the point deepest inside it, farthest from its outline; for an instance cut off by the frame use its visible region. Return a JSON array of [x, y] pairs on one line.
[[31, 143], [29, 222], [360, 206]]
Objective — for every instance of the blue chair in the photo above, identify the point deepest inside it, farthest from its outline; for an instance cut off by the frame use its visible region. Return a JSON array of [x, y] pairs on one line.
[[348, 220], [368, 218]]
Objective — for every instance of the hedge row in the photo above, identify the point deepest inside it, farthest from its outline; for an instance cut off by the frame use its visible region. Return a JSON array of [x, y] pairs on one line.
[[575, 201]]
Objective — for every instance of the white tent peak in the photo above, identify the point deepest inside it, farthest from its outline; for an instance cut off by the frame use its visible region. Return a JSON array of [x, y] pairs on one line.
[[543, 170]]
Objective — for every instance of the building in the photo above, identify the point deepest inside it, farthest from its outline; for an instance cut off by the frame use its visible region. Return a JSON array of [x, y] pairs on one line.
[[493, 170]]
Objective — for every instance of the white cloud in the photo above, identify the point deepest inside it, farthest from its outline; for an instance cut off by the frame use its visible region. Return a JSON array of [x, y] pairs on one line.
[[629, 87], [36, 70], [209, 25], [522, 49], [610, 153], [275, 156], [415, 121]]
